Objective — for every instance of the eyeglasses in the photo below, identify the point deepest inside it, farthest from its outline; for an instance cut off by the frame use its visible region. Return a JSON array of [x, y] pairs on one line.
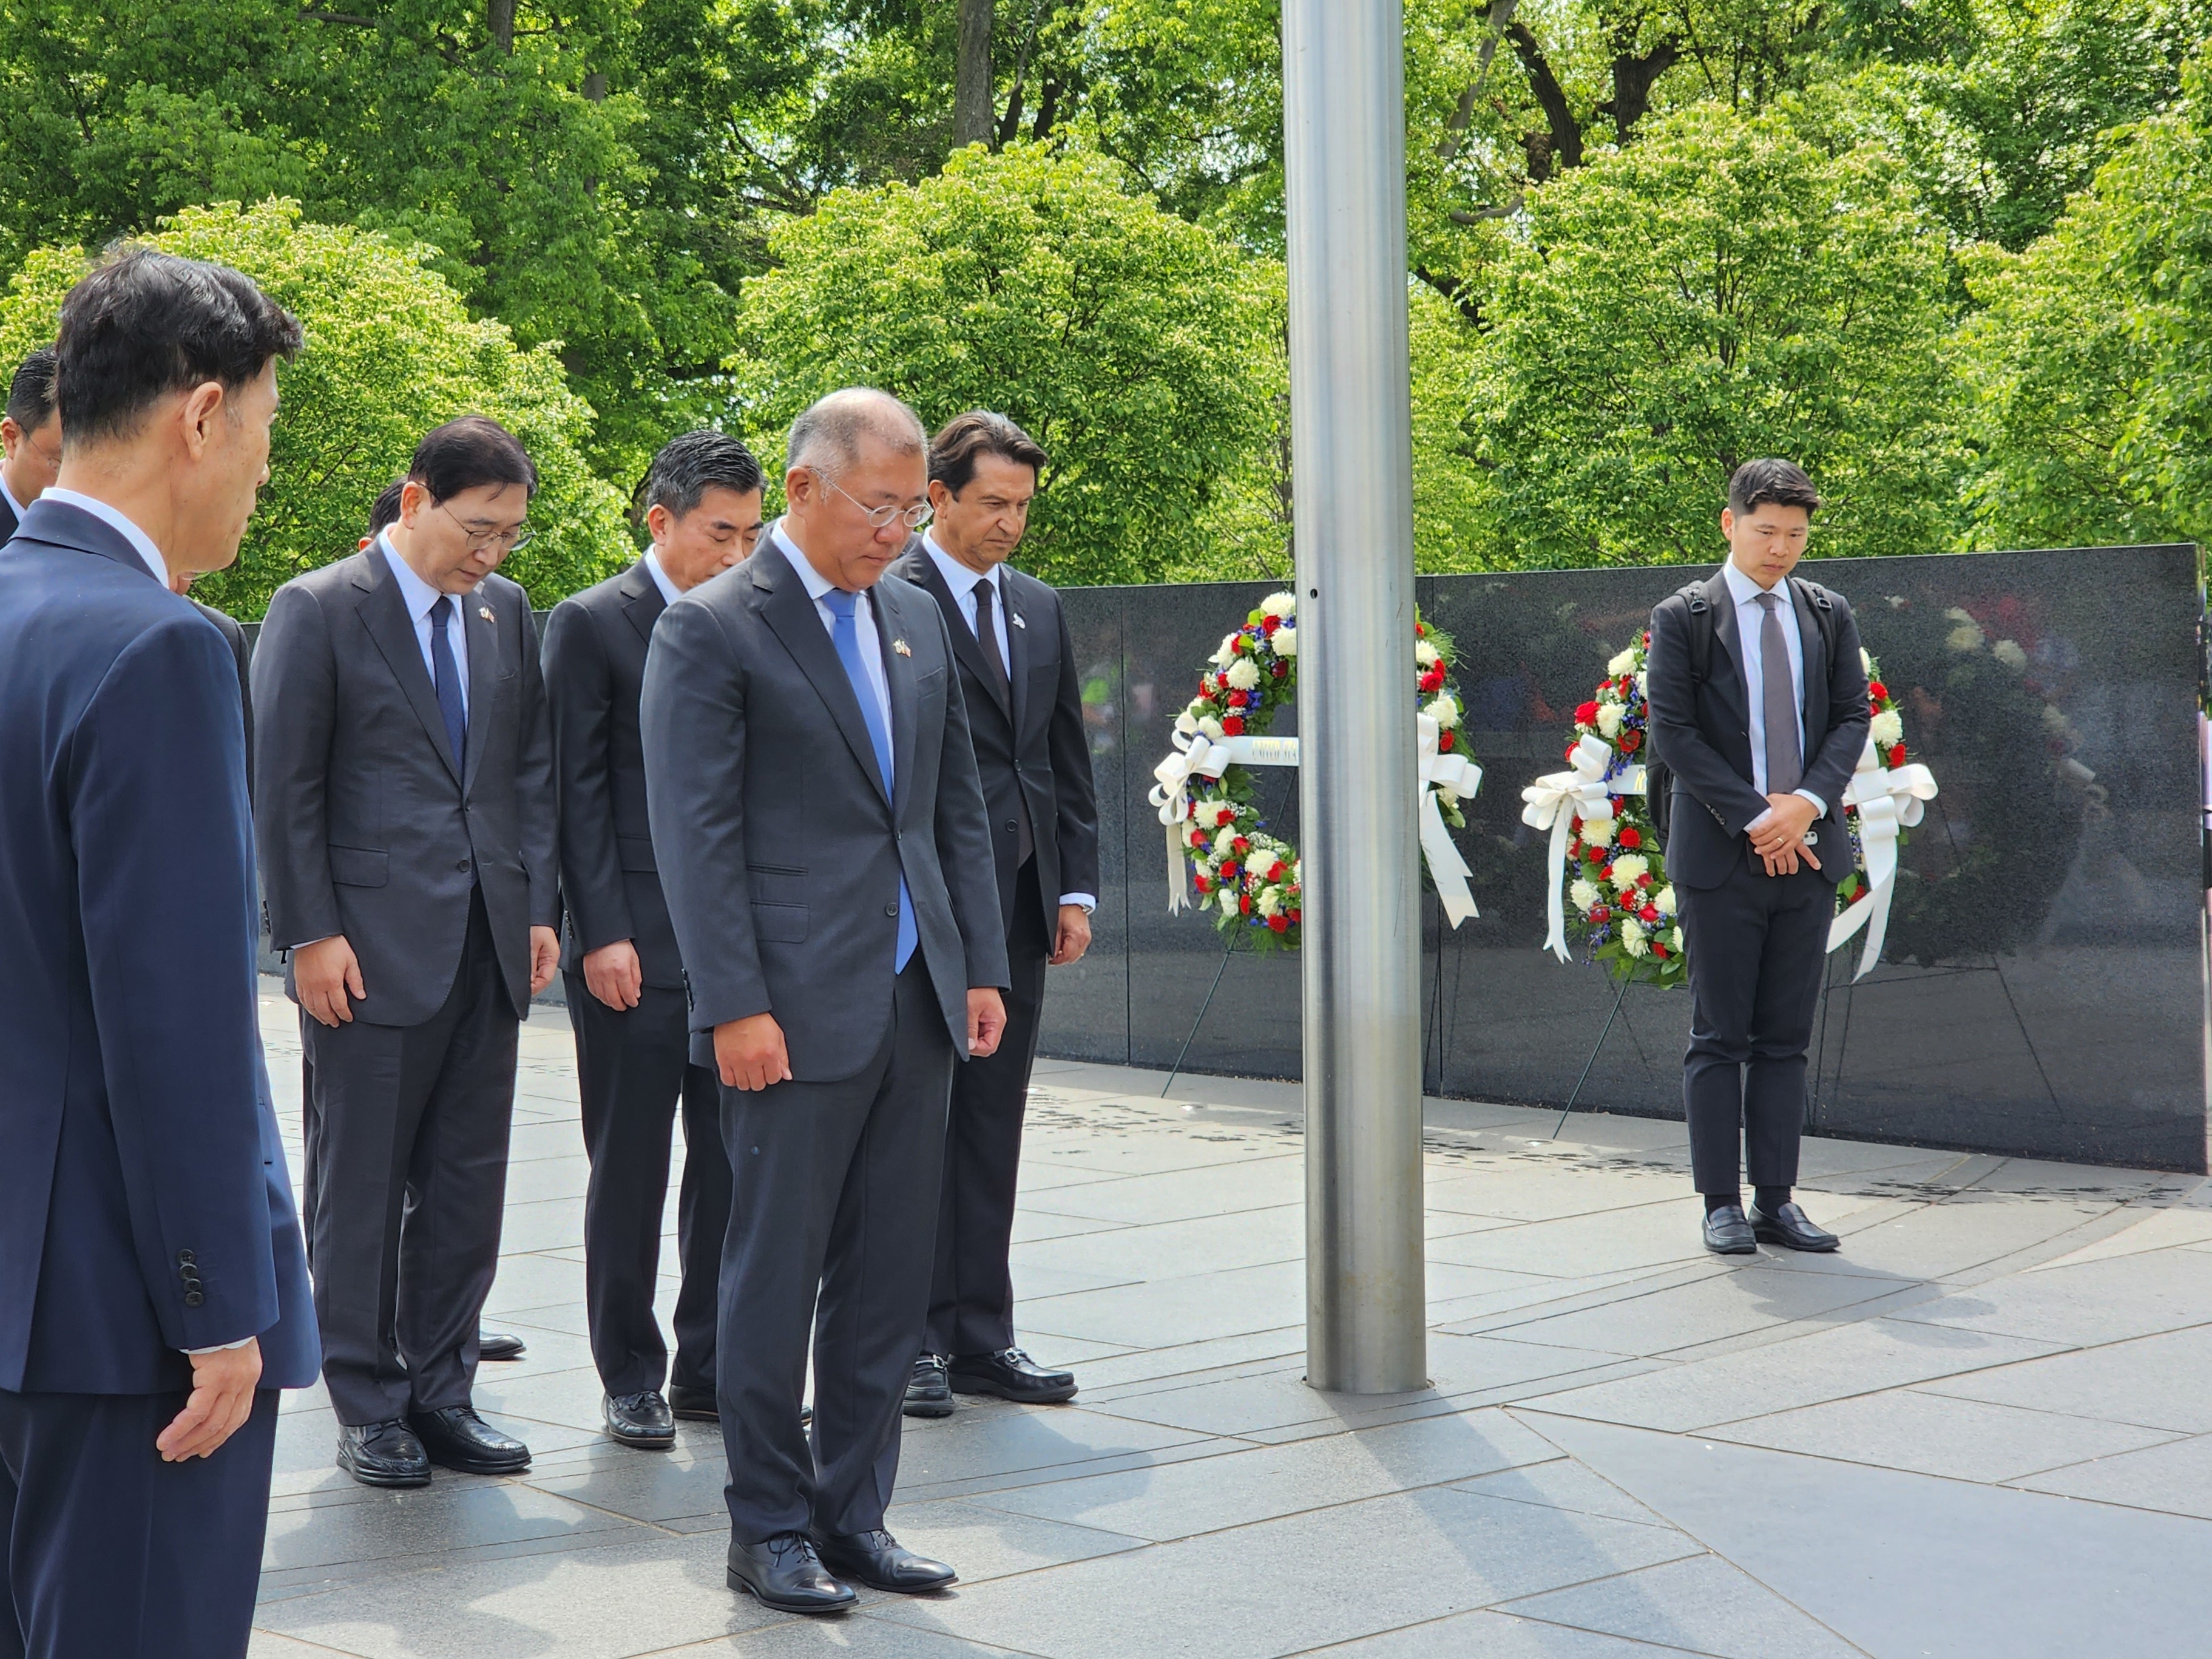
[[481, 536], [879, 518], [42, 452]]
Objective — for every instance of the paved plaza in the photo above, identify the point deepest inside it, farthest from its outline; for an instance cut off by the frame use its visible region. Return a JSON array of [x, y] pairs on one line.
[[1985, 1428]]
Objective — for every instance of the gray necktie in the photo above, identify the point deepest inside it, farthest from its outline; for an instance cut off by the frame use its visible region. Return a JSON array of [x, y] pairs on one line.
[[1785, 765]]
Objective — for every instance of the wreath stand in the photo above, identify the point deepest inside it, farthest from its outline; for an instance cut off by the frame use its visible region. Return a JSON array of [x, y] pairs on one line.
[[1626, 980]]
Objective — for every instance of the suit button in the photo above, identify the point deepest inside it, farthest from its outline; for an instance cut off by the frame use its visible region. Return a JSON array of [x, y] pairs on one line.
[[462, 865], [1010, 826], [194, 1298], [184, 1258], [890, 910]]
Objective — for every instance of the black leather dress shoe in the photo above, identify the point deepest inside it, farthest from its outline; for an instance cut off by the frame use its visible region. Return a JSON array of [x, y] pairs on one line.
[[692, 1404], [926, 1391], [383, 1455], [641, 1419], [457, 1438], [1011, 1374], [498, 1345], [1727, 1234], [783, 1572], [881, 1562], [1787, 1228]]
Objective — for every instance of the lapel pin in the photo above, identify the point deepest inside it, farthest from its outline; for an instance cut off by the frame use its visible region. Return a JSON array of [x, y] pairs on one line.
[[485, 611], [1015, 617], [900, 646]]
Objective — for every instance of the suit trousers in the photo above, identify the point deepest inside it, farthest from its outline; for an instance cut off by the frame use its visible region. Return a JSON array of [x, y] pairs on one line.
[[971, 1302], [406, 1148], [111, 1552], [1757, 945], [833, 1207], [633, 1068]]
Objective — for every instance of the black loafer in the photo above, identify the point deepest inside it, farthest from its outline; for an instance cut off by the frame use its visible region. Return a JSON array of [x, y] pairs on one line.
[[881, 1562], [383, 1455], [692, 1404], [926, 1391], [499, 1345], [457, 1438], [1727, 1234], [1011, 1374], [783, 1572], [641, 1419], [1787, 1228]]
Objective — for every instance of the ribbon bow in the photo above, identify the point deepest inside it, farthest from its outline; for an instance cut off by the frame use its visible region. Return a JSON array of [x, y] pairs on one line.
[[1462, 778], [1887, 802], [1557, 799], [1195, 755]]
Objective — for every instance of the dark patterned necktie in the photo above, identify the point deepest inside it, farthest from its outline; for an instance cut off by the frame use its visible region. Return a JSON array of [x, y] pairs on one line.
[[447, 673], [1785, 763]]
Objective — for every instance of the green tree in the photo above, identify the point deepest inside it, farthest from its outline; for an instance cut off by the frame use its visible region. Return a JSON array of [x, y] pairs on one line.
[[1131, 343], [391, 351], [1720, 289]]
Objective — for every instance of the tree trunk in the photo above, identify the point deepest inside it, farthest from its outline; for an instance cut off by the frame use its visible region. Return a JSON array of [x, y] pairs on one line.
[[973, 99], [498, 16]]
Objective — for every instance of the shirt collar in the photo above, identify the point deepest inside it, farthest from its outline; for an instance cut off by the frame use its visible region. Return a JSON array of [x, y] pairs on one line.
[[1744, 591], [958, 576], [816, 584], [415, 593], [141, 543], [668, 591]]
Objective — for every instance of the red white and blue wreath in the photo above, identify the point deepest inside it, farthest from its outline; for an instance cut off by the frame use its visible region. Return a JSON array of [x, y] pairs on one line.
[[1217, 841]]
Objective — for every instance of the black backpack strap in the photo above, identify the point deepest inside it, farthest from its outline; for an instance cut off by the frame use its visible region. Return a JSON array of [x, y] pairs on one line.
[[1702, 624], [1823, 611]]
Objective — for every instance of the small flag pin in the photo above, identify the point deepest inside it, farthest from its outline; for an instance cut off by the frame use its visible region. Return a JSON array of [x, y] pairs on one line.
[[485, 611], [900, 646], [1016, 618]]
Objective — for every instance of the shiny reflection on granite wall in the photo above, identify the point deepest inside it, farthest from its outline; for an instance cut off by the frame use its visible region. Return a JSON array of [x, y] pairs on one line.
[[2043, 990]]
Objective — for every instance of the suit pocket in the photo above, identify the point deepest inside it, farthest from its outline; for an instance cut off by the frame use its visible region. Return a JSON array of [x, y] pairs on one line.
[[930, 683], [779, 923], [360, 867], [635, 852]]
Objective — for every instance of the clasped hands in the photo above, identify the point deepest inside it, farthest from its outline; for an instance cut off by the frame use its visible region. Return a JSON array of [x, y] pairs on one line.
[[749, 1052], [1777, 835]]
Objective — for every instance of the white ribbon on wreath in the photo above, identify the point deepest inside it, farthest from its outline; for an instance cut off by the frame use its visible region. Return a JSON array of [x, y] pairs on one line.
[[1557, 799], [1887, 802], [1195, 755], [1462, 778]]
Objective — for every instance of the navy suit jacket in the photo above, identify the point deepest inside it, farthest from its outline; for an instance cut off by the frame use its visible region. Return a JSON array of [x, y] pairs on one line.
[[145, 1205]]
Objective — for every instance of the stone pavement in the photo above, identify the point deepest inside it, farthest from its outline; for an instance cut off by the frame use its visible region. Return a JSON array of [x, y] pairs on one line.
[[1985, 1428]]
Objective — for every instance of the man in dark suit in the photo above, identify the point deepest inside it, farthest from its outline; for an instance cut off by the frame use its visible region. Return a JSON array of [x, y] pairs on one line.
[[821, 839], [624, 975], [406, 816], [1757, 700], [241, 656], [156, 1294], [1025, 714], [30, 439]]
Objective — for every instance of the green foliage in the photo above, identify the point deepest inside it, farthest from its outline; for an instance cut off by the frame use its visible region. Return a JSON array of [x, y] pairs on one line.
[[390, 353], [1031, 283], [1721, 289]]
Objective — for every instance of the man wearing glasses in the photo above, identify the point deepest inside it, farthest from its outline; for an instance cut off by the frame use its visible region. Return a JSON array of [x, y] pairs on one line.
[[405, 809], [31, 438]]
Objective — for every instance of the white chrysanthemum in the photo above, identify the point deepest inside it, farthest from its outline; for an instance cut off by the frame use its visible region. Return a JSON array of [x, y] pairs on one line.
[[1282, 605], [1966, 636], [1285, 640], [1632, 938], [1664, 899], [1582, 893], [1270, 900], [1609, 716], [1443, 710], [1886, 728], [1222, 847], [1227, 655], [1623, 664], [1955, 615], [1643, 683], [1598, 832], [1211, 727], [1229, 901], [1446, 795], [1674, 940], [2008, 651], [1626, 869], [2056, 722], [1244, 674], [1866, 662], [1424, 653]]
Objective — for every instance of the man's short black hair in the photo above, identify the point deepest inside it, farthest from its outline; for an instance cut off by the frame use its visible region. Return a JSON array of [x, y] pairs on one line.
[[31, 398], [466, 452], [966, 439], [144, 324], [384, 509], [690, 466], [1782, 483]]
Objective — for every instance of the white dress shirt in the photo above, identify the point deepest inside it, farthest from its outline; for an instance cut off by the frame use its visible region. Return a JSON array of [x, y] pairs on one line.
[[670, 593], [420, 598], [961, 582], [864, 624], [140, 541], [1750, 619]]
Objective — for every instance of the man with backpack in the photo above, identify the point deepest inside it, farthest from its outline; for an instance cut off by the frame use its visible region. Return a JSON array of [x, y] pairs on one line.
[[1758, 701]]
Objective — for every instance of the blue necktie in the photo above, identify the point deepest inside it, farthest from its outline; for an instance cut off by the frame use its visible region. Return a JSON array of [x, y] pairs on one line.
[[847, 638], [448, 675]]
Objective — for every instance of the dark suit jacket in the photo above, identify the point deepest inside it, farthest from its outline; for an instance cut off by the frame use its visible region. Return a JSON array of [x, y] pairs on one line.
[[595, 659], [1703, 730], [367, 826], [8, 525], [137, 1135], [780, 854], [1029, 743], [235, 636]]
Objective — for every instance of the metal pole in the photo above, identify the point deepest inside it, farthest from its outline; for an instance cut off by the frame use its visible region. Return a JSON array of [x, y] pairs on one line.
[[1352, 455]]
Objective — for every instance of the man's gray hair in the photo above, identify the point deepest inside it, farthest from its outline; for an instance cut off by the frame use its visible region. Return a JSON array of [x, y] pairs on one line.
[[827, 437]]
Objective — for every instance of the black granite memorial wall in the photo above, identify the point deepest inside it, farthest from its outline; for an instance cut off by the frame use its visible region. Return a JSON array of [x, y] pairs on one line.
[[2043, 992]]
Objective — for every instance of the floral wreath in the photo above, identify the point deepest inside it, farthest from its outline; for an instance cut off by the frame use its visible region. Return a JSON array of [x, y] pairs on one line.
[[1251, 877]]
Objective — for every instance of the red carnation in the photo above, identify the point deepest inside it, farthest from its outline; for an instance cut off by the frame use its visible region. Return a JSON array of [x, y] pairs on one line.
[[1649, 914], [1645, 880], [1630, 741], [1571, 751], [1599, 913], [1433, 681], [1281, 669], [1241, 845], [1244, 903], [1659, 951], [1897, 755], [1586, 715], [1228, 870], [1444, 742], [1630, 837], [1203, 886], [1269, 623], [1606, 875], [1233, 726], [1275, 871], [1420, 631], [1279, 923], [1296, 914], [1239, 643], [1876, 690]]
